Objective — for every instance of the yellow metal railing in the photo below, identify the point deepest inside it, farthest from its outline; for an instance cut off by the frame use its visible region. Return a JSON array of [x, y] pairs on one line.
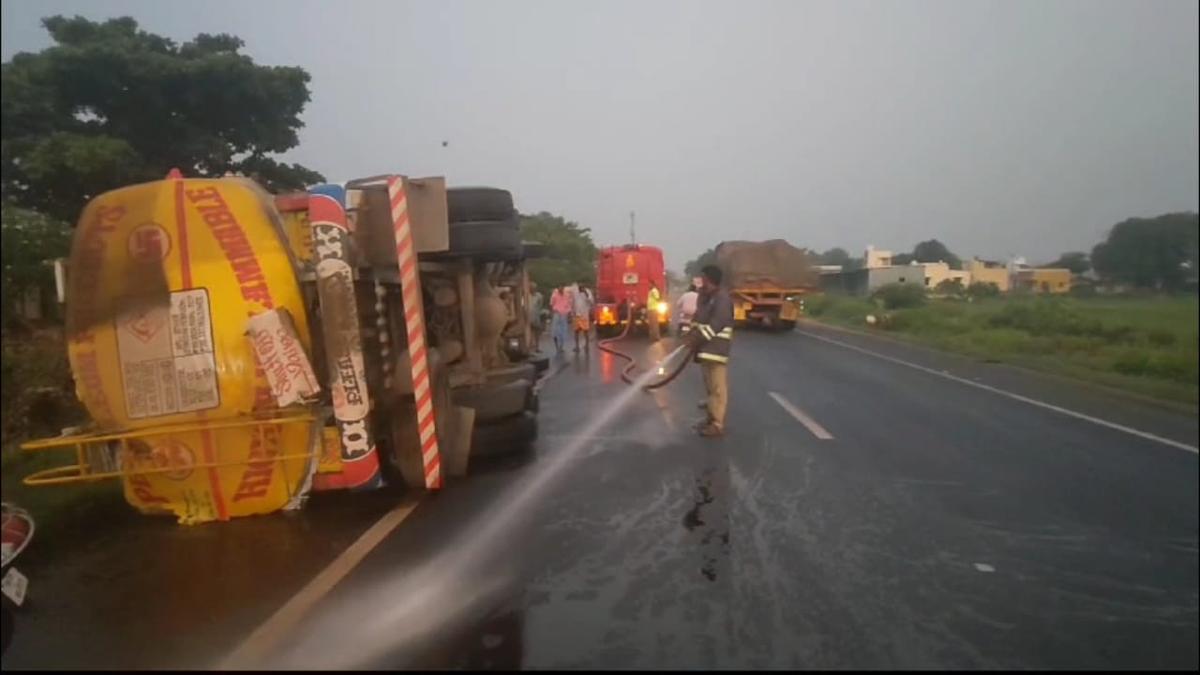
[[83, 471]]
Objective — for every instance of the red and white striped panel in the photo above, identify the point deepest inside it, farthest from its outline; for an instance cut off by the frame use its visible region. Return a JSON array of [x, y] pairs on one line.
[[414, 323]]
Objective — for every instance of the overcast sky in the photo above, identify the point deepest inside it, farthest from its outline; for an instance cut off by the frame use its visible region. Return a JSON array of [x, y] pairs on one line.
[[998, 127]]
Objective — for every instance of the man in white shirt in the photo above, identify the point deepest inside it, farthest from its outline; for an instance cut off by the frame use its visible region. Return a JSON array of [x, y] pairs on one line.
[[685, 307], [581, 308]]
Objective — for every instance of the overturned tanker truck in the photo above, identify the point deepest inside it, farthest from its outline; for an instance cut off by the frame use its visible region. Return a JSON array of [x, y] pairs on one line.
[[237, 350]]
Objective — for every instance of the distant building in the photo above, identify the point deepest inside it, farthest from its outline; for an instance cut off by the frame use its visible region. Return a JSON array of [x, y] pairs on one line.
[[865, 281], [989, 271], [936, 273], [1043, 279], [877, 258]]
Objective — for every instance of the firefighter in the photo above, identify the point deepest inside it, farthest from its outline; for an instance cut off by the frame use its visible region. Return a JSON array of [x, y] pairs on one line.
[[652, 312], [711, 334]]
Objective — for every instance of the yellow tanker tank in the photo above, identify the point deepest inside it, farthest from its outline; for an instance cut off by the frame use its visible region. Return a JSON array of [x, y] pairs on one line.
[[163, 277]]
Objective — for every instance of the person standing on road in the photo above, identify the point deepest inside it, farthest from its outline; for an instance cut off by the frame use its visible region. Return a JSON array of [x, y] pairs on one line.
[[685, 308], [581, 307], [535, 315], [652, 313], [560, 310], [711, 336]]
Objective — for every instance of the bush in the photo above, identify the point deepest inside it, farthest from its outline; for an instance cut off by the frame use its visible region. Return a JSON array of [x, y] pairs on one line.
[[983, 289], [818, 305], [949, 287], [900, 296]]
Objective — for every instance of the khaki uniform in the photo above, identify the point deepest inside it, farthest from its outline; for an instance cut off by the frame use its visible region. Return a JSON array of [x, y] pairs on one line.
[[712, 333], [717, 386]]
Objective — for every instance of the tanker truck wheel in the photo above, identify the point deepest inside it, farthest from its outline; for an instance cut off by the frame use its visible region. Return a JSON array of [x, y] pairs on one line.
[[486, 238], [504, 437], [787, 325], [6, 627], [404, 463], [478, 203]]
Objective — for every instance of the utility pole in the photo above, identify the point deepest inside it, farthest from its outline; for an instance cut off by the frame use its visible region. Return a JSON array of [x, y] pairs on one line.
[[632, 229]]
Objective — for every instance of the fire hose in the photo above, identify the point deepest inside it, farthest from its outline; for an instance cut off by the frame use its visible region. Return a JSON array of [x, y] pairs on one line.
[[604, 345]]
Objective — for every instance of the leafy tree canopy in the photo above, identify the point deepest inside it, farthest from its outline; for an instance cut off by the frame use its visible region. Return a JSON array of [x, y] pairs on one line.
[[693, 266], [27, 240], [109, 104], [932, 251], [570, 252], [1159, 253], [1076, 261], [834, 256]]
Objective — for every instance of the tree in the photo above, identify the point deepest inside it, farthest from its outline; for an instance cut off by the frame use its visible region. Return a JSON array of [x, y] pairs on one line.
[[1076, 261], [932, 251], [27, 240], [834, 256], [693, 266], [109, 104], [983, 289], [570, 253], [1158, 253], [952, 287], [902, 259], [900, 296]]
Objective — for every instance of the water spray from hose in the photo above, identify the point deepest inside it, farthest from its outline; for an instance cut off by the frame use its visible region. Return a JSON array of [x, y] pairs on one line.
[[412, 607]]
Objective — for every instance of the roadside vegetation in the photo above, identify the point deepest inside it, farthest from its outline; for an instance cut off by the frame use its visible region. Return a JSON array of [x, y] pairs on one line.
[[1145, 344]]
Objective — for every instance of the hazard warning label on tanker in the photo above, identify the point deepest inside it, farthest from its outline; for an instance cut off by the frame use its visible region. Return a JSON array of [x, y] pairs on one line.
[[167, 363]]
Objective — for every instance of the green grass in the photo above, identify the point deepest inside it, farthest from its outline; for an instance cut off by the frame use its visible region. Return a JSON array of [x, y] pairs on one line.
[[1145, 345]]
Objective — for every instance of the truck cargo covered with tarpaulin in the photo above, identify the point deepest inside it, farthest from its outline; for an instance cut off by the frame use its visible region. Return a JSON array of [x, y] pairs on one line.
[[766, 280]]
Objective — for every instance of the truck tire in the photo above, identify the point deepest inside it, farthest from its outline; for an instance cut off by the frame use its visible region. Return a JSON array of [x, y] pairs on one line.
[[504, 437], [520, 371], [492, 402], [540, 363], [486, 237], [6, 626], [466, 204], [404, 464], [787, 325]]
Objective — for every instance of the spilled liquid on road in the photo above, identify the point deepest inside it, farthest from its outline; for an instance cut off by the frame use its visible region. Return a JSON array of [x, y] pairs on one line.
[[401, 614]]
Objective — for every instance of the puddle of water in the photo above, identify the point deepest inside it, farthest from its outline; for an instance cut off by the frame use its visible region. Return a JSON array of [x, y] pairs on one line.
[[399, 614]]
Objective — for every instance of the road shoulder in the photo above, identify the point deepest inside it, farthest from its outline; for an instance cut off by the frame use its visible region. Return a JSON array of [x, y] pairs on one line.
[[1088, 399]]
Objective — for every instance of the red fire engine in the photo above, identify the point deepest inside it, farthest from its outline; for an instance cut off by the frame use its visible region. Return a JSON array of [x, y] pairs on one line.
[[623, 277]]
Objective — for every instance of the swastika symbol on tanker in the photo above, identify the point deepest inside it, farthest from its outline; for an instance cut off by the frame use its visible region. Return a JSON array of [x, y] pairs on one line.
[[149, 242], [145, 324]]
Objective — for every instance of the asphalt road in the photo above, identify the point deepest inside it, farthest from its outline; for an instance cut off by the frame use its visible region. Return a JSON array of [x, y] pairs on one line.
[[943, 525]]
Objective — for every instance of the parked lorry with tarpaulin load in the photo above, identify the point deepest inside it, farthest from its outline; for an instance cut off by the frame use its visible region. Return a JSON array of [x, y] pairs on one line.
[[237, 350], [623, 278], [767, 281]]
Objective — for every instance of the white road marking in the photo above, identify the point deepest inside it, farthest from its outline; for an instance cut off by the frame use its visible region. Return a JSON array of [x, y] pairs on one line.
[[811, 424], [266, 637], [984, 567], [1009, 394]]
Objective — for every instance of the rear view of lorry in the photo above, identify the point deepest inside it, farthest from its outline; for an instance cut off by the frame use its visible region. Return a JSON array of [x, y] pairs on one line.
[[766, 280], [623, 279]]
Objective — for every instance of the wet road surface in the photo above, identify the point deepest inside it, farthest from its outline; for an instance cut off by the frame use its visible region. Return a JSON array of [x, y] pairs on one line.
[[941, 526]]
